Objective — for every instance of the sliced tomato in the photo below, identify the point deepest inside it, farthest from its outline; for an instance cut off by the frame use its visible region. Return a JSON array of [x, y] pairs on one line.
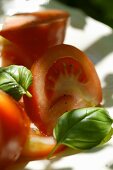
[[30, 34], [63, 79], [14, 128], [39, 146]]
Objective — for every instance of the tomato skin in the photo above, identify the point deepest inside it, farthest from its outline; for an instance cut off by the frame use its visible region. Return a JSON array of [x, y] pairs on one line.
[[14, 128], [30, 34], [69, 89]]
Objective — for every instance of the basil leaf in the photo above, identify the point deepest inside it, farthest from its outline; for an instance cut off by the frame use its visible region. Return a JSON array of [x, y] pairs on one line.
[[107, 138], [15, 80], [83, 128]]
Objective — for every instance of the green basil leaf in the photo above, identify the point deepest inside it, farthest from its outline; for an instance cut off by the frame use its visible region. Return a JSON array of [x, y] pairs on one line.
[[107, 138], [83, 128], [15, 80]]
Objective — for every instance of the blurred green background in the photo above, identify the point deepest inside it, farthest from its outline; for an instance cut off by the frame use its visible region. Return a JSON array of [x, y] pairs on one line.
[[101, 10]]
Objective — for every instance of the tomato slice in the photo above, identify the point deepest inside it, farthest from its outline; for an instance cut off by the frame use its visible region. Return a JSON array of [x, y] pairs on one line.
[[30, 34], [39, 146], [14, 128], [63, 79]]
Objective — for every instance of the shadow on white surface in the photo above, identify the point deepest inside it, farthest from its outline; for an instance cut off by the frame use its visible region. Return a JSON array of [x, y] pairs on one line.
[[79, 21], [100, 48]]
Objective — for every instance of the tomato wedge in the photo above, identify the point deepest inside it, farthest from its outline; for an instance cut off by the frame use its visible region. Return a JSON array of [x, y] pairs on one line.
[[29, 35], [14, 128], [39, 146], [63, 79]]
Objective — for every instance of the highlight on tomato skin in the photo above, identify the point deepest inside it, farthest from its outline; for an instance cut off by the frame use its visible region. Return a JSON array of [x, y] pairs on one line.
[[28, 35], [14, 128], [63, 79]]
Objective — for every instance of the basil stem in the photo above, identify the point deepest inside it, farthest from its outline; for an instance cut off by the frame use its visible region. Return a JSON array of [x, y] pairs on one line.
[[15, 80], [83, 128]]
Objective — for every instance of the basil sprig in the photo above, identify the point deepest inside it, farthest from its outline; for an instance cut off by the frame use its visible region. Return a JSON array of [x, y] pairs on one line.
[[83, 128], [15, 80]]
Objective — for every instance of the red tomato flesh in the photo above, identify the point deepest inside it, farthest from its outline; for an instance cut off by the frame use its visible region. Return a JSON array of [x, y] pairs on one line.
[[30, 34], [63, 79]]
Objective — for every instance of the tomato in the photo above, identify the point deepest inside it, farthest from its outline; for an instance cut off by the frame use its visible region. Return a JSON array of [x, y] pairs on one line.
[[39, 146], [29, 35], [14, 128], [63, 79]]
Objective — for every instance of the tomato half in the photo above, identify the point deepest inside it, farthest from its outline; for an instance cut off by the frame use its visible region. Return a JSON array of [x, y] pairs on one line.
[[29, 35], [63, 79], [14, 128]]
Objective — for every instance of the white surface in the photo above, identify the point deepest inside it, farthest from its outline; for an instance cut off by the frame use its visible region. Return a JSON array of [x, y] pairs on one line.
[[96, 40]]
